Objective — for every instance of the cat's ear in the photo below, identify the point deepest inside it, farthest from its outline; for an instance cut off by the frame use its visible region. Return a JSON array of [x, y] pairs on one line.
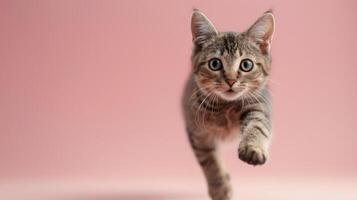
[[201, 27], [261, 32]]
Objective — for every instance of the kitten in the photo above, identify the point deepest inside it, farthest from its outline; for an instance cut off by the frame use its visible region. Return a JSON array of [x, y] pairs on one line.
[[227, 96]]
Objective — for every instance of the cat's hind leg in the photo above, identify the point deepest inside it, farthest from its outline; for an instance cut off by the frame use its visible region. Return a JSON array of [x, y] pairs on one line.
[[217, 178]]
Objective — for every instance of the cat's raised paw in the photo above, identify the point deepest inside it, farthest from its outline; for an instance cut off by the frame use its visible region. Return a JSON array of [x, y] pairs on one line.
[[253, 155]]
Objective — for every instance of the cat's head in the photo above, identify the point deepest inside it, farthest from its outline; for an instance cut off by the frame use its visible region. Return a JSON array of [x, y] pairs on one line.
[[231, 64]]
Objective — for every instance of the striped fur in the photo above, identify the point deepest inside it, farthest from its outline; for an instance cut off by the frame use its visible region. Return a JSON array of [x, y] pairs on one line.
[[214, 111]]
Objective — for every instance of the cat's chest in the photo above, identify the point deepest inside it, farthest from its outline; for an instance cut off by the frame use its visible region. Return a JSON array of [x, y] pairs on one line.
[[222, 124]]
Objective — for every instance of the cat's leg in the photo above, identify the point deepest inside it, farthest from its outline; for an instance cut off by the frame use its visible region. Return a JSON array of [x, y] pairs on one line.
[[256, 135], [217, 178]]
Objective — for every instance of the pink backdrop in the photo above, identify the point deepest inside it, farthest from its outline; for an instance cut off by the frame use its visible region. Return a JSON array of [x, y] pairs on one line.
[[92, 88]]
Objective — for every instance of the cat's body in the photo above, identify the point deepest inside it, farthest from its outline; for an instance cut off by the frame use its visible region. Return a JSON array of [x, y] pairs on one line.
[[220, 122], [226, 96]]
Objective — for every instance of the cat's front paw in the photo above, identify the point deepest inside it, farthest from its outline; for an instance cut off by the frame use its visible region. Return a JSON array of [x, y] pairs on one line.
[[252, 154]]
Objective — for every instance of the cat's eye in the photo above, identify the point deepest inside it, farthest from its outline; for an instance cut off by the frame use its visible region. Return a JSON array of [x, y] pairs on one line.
[[246, 65], [215, 64]]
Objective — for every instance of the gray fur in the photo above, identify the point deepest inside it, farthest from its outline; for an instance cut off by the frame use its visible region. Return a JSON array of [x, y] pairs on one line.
[[215, 111]]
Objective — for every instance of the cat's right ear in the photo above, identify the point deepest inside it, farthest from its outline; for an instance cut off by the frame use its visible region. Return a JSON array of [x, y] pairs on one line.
[[201, 27]]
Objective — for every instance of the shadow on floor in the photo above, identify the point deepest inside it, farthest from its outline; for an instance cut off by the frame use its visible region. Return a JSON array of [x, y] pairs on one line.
[[134, 196]]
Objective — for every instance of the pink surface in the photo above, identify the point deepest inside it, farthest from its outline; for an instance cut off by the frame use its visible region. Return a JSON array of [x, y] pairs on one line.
[[92, 88], [256, 189]]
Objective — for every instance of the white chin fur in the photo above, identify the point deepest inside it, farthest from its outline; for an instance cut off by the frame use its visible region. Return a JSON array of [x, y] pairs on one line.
[[229, 96]]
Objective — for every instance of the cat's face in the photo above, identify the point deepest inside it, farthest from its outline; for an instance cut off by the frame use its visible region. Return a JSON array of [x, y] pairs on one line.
[[229, 64]]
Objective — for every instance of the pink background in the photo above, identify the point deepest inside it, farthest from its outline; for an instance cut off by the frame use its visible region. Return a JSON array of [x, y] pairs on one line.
[[91, 89]]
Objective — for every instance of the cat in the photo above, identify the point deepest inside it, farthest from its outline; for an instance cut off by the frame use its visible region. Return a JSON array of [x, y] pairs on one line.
[[227, 96]]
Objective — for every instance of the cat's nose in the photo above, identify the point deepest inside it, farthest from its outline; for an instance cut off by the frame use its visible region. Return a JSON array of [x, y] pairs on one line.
[[231, 82]]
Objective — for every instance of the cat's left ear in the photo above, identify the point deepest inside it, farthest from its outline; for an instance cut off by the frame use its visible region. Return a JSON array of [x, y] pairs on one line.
[[261, 32]]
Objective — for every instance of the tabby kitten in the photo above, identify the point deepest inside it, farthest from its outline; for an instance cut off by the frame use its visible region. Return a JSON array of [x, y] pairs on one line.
[[227, 96]]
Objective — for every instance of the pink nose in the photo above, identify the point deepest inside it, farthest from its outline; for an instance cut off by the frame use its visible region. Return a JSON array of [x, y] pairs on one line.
[[231, 82]]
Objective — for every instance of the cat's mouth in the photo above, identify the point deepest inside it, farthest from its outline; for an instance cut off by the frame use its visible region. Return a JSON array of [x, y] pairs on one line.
[[232, 94], [234, 90], [230, 91]]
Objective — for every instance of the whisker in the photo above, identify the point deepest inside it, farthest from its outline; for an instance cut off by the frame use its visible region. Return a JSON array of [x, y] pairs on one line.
[[197, 90], [273, 82], [199, 109], [265, 100]]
